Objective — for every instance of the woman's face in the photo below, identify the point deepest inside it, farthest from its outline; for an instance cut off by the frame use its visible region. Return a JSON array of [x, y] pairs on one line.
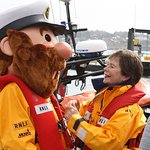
[[112, 72]]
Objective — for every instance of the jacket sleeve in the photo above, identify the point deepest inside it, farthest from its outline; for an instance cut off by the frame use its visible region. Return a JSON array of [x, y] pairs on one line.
[[127, 122], [16, 128]]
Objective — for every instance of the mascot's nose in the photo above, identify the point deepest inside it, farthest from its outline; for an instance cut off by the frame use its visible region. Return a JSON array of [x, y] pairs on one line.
[[64, 49]]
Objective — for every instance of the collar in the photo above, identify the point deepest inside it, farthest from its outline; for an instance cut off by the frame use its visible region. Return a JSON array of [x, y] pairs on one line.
[[98, 84]]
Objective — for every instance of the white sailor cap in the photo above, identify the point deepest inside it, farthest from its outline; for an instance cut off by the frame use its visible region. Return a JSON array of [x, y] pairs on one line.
[[27, 14]]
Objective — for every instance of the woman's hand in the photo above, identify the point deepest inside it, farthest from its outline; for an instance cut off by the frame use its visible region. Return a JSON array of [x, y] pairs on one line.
[[71, 108]]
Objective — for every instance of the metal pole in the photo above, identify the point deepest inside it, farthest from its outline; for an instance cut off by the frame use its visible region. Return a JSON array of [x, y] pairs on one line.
[[130, 39], [70, 25]]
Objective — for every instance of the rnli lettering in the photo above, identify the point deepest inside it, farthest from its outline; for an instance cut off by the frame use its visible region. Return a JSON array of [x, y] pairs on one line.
[[102, 121], [43, 108], [24, 134], [20, 125]]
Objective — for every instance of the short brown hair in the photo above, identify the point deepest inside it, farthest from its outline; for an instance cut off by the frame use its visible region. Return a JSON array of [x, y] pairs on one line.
[[130, 64]]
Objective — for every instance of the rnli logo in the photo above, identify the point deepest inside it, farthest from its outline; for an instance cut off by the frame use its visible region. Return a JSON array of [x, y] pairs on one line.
[[43, 108], [20, 125], [26, 133]]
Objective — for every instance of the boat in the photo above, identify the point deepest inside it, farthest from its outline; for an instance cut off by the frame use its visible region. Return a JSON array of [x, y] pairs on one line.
[[86, 52], [139, 43]]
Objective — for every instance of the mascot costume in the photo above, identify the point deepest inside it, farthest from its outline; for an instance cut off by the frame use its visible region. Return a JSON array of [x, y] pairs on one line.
[[31, 59]]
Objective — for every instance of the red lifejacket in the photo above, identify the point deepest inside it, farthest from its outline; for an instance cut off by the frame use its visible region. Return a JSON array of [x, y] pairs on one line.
[[46, 126], [130, 97]]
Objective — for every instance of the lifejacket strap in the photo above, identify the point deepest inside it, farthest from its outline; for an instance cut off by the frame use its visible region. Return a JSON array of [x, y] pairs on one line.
[[77, 123]]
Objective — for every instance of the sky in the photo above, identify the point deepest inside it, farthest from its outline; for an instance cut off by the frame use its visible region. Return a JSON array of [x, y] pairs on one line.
[[106, 15], [109, 15]]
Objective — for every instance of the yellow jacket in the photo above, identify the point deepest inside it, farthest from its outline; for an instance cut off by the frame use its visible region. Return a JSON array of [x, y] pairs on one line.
[[126, 123], [17, 130]]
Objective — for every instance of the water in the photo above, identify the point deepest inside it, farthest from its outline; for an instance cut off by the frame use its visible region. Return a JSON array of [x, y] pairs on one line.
[[75, 86]]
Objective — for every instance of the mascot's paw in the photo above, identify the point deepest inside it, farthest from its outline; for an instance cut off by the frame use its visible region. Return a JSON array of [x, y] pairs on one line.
[[38, 66]]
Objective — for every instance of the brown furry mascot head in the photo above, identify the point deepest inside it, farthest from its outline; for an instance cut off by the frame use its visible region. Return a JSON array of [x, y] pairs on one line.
[[38, 66]]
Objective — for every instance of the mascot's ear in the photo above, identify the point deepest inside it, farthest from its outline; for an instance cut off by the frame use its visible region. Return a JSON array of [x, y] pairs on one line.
[[5, 47]]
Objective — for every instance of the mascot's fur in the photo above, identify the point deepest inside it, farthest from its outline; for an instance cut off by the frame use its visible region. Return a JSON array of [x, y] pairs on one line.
[[39, 67]]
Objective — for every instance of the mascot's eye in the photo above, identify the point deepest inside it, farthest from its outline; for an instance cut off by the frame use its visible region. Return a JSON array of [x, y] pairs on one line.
[[47, 37]]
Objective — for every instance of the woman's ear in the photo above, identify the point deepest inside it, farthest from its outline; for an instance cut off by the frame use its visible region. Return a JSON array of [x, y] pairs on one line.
[[5, 47], [126, 78]]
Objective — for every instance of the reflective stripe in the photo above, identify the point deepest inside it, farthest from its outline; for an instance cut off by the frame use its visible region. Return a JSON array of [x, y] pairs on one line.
[[81, 133]]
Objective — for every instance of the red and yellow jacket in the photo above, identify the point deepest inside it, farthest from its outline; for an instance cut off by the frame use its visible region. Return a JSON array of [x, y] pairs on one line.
[[17, 128], [99, 133]]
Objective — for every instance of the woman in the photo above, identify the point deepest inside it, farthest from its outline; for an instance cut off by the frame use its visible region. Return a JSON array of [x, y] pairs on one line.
[[99, 128]]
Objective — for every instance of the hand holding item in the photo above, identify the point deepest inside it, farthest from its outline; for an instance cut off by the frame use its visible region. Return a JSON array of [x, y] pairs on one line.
[[71, 108]]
